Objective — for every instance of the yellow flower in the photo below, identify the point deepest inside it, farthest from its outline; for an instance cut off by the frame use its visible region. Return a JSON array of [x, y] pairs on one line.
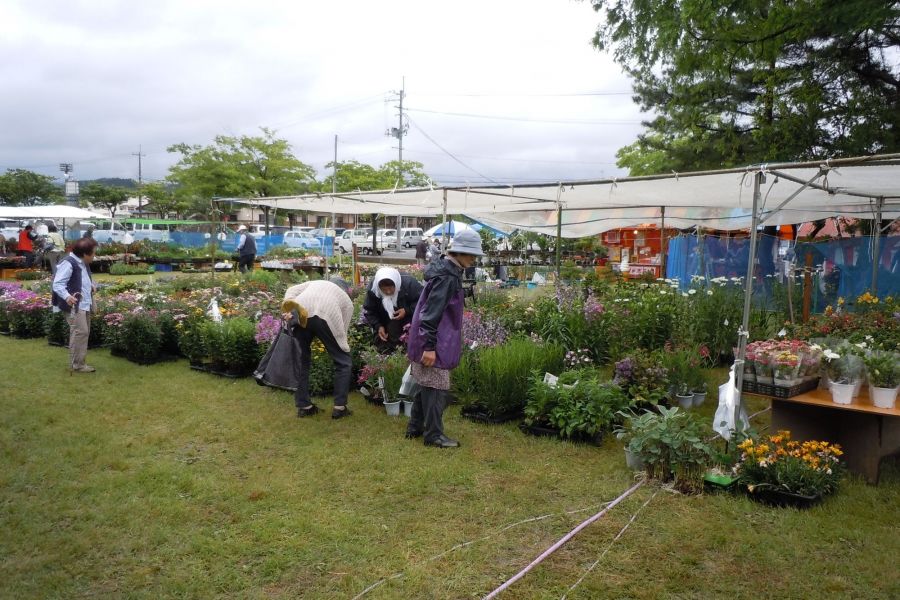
[[840, 301]]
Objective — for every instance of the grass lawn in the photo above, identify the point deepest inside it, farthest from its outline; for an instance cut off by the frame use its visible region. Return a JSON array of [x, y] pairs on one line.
[[148, 482]]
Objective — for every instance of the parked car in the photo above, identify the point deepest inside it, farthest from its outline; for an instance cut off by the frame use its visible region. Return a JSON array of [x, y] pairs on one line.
[[326, 232], [304, 229], [353, 236], [105, 231], [258, 230], [409, 237], [302, 239], [386, 237]]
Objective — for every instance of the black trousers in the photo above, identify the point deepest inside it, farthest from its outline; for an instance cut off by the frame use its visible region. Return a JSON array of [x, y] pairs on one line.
[[428, 413], [343, 363], [245, 262]]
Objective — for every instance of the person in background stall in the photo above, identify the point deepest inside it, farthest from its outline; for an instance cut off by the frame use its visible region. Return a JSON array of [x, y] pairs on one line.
[[389, 306], [56, 247], [246, 249], [421, 251], [435, 338], [26, 245]]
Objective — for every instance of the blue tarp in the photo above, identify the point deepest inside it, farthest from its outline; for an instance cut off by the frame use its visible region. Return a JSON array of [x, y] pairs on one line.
[[842, 268]]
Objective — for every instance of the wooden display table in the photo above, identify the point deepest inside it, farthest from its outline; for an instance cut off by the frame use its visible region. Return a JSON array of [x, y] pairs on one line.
[[866, 433]]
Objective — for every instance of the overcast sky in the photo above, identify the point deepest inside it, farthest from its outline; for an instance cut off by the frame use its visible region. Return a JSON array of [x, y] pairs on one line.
[[88, 82]]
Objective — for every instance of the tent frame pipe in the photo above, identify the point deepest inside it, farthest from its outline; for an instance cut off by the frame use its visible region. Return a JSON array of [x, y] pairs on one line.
[[876, 244], [444, 228], [743, 334], [559, 217], [792, 196]]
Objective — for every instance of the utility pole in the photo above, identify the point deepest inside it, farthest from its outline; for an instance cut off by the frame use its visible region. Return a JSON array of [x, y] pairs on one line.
[[398, 132], [140, 155]]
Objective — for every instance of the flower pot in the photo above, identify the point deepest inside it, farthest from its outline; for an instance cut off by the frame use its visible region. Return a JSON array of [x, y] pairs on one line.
[[685, 400], [407, 407], [699, 398], [842, 393], [883, 397], [782, 498], [392, 408], [857, 387], [633, 460]]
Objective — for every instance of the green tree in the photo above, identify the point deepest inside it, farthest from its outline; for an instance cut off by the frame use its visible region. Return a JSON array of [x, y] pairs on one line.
[[353, 175], [240, 167], [163, 199], [734, 83], [109, 197], [23, 187]]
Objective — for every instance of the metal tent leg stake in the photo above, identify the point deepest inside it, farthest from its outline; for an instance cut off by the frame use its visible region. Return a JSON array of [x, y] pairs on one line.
[[876, 244], [744, 332]]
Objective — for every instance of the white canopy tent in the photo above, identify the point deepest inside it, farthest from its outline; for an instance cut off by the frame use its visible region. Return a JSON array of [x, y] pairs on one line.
[[50, 211], [865, 187], [715, 199]]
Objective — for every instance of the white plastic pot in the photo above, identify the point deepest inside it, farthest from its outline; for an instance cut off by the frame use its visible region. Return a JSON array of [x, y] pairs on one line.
[[842, 393], [883, 397], [686, 401], [407, 407], [633, 461], [699, 398], [392, 408]]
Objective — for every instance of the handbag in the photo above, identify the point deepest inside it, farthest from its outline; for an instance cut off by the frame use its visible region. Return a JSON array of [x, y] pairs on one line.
[[280, 367], [408, 386]]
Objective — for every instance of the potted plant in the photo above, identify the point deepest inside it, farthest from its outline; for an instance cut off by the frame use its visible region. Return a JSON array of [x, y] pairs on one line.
[[843, 371], [671, 445], [883, 369], [681, 368], [785, 365], [779, 471]]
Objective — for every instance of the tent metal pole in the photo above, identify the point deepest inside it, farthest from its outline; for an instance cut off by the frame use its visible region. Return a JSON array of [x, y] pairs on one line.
[[662, 242], [876, 244], [558, 240], [758, 180], [444, 228]]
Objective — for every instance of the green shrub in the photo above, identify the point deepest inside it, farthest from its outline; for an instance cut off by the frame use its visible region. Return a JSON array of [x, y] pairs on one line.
[[502, 373], [30, 275], [191, 341], [582, 408], [125, 269], [671, 443], [231, 346], [56, 328], [139, 338]]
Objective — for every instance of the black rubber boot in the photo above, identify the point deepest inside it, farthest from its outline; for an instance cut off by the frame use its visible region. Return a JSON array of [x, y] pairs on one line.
[[415, 428], [433, 404]]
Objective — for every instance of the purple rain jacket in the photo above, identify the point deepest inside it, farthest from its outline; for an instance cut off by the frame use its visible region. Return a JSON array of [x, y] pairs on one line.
[[437, 323]]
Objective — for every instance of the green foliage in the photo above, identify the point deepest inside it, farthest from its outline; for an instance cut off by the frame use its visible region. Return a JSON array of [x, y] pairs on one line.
[[353, 175], [464, 378], [238, 167], [670, 442], [192, 340], [126, 269], [503, 372], [26, 188], [56, 328], [883, 369], [581, 409], [163, 199], [140, 338], [30, 275], [230, 345], [109, 197], [739, 83]]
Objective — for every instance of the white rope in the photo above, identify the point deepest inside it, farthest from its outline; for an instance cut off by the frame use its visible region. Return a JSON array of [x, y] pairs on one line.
[[605, 550]]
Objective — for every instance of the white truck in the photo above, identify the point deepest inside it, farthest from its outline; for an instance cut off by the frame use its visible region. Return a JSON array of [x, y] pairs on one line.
[[353, 236]]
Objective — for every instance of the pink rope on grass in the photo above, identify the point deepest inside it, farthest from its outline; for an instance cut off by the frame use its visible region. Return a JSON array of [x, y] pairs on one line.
[[563, 540]]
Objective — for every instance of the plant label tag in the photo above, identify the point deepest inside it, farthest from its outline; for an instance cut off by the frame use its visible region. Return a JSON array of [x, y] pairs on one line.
[[550, 379]]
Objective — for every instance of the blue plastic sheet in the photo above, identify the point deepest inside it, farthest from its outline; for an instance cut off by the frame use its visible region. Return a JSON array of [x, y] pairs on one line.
[[840, 268]]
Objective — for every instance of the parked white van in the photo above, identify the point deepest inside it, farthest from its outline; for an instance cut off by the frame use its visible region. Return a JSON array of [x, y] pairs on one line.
[[409, 237], [353, 236], [148, 230]]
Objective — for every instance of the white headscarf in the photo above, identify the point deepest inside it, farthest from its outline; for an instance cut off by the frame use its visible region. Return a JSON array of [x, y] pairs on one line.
[[389, 302]]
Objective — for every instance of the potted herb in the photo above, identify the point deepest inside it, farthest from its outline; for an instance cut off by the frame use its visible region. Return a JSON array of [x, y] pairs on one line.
[[843, 371], [682, 367], [883, 369], [670, 443], [779, 471]]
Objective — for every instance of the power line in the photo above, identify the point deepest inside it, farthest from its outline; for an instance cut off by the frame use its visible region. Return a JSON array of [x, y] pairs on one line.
[[536, 95], [527, 160], [447, 152], [527, 119]]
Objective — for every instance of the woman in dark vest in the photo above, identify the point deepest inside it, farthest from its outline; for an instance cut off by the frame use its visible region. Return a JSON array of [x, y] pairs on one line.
[[389, 306]]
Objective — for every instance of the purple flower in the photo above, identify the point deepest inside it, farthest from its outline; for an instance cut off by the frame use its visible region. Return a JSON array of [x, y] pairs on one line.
[[267, 329], [478, 331]]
